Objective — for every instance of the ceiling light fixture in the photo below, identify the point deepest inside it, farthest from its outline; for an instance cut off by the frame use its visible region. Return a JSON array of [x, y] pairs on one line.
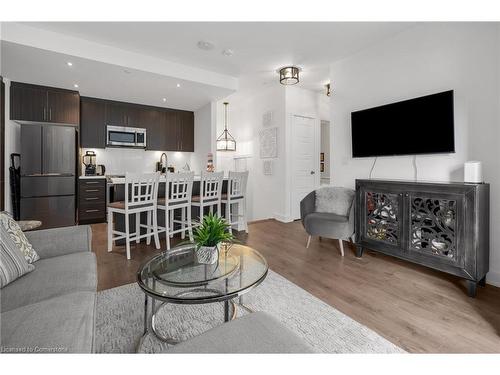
[[69, 63], [178, 85], [225, 141], [228, 52], [164, 99], [206, 46], [328, 90], [75, 85], [289, 75]]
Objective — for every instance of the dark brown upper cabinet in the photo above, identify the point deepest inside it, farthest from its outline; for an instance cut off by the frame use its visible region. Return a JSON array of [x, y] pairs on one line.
[[32, 103], [93, 123], [186, 131]]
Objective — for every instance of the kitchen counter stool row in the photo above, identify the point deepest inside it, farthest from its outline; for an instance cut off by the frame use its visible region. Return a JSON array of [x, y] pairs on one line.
[[176, 205]]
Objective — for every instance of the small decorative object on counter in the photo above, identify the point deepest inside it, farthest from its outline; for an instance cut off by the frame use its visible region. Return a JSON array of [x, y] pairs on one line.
[[210, 162], [209, 236]]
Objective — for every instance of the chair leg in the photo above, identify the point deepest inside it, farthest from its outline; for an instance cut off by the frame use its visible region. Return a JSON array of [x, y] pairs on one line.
[[155, 228], [148, 238], [167, 228], [189, 223], [341, 244], [308, 241], [183, 224], [127, 235], [137, 227], [171, 222], [228, 216], [110, 230]]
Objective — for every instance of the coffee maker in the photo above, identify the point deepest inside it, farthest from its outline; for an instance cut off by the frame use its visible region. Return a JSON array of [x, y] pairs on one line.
[[89, 160]]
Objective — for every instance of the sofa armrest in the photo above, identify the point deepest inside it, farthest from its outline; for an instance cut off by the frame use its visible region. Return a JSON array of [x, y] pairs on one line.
[[50, 243], [351, 220], [307, 205]]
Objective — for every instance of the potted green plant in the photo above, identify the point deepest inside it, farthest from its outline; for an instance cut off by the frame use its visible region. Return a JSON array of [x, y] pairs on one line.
[[213, 231]]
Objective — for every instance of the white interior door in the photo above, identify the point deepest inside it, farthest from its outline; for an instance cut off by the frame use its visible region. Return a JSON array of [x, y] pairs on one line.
[[304, 170]]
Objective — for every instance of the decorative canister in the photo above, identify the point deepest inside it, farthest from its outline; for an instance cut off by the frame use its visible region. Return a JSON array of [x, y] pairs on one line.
[[207, 254]]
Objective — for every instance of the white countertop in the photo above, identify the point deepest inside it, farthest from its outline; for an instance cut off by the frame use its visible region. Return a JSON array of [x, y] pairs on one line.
[[121, 180], [92, 177]]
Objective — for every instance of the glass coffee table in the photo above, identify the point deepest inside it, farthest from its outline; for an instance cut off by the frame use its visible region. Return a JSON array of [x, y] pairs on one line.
[[176, 277]]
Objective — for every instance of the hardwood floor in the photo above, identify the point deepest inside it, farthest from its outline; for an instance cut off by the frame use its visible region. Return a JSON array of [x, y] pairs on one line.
[[416, 308]]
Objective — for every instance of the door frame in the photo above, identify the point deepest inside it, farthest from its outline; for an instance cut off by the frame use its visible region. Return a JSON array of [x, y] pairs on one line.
[[289, 187]]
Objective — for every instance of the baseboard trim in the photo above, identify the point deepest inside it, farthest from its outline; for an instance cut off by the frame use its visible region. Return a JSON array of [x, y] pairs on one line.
[[260, 221], [282, 218], [493, 278]]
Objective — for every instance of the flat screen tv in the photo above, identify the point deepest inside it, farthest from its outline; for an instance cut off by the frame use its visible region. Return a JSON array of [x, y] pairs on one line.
[[422, 125]]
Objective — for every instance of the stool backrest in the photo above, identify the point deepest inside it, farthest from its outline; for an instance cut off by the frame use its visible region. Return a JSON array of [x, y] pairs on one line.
[[179, 187], [211, 186], [237, 184], [141, 189]]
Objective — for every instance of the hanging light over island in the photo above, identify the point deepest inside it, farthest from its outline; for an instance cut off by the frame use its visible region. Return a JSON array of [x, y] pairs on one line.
[[289, 75], [226, 142]]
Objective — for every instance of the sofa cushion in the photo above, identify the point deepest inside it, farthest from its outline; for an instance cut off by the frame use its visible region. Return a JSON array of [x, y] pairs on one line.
[[52, 277], [328, 225], [334, 200], [63, 324], [254, 333], [17, 235], [12, 262]]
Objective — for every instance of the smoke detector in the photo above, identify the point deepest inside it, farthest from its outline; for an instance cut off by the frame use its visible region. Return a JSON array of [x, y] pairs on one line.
[[205, 45]]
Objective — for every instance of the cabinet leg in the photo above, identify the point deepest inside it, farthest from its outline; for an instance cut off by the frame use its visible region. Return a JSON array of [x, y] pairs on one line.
[[471, 288], [359, 251], [482, 282]]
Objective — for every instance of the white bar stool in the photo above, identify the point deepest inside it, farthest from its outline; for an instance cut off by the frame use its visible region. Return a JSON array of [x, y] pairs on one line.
[[236, 195], [210, 192], [178, 191], [141, 194]]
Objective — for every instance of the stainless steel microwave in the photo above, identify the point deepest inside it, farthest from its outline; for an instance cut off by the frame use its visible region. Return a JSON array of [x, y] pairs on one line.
[[125, 137]]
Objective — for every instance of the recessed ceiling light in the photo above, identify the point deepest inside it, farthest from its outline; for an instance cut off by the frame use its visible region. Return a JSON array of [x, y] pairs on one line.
[[164, 99], [69, 63], [178, 85], [205, 45], [228, 52], [75, 85]]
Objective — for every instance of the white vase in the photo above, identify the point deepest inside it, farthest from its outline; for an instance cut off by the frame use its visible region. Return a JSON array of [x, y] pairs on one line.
[[207, 254]]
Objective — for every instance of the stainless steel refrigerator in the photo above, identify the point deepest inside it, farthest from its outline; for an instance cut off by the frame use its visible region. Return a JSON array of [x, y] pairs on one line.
[[48, 173]]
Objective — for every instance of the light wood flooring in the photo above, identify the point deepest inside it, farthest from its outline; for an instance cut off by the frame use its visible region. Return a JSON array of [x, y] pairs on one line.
[[416, 308]]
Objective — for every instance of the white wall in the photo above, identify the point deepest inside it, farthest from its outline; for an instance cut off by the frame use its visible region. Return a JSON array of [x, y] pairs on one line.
[[204, 135], [12, 144], [422, 60]]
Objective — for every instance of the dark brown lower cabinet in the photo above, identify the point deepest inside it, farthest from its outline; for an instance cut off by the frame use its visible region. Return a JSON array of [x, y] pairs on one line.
[[444, 226], [91, 200]]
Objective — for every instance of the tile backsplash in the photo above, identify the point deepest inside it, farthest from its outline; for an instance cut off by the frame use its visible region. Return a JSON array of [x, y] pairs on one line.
[[121, 160]]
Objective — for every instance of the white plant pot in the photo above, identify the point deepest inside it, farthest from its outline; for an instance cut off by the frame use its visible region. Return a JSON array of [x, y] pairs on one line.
[[207, 255]]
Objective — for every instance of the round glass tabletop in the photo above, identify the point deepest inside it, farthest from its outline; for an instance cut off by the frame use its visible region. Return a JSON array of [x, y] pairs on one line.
[[176, 276]]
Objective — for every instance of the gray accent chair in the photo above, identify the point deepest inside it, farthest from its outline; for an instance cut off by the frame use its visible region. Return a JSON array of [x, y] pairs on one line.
[[329, 212], [254, 333], [52, 309]]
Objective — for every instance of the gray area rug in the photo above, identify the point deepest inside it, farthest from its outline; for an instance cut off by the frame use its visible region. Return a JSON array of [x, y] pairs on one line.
[[119, 321]]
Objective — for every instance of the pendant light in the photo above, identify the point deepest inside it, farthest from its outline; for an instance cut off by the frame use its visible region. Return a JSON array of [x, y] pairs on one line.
[[289, 75], [226, 142]]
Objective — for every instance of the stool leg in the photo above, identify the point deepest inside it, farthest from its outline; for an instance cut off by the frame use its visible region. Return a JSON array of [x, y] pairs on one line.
[[189, 223], [110, 230], [244, 214], [171, 222], [155, 228], [219, 209], [167, 227], [183, 224], [228, 216], [148, 238], [211, 209], [127, 235], [137, 227]]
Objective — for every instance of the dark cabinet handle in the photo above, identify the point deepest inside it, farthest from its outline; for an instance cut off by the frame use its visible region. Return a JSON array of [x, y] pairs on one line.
[[50, 114], [91, 199], [44, 113], [91, 182], [91, 190], [91, 211]]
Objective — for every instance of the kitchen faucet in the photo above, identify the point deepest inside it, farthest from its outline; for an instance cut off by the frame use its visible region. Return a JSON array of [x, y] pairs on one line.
[[166, 162]]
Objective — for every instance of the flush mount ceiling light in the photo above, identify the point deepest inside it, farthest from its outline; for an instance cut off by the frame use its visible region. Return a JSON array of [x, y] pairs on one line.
[[205, 45], [69, 63], [178, 85], [164, 99], [289, 75], [328, 90], [225, 141], [75, 86]]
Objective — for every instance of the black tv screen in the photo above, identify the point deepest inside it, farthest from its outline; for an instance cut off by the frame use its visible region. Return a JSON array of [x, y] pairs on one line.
[[422, 125]]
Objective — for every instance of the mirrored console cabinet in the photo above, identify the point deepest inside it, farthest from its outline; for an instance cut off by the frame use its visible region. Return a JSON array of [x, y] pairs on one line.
[[444, 226]]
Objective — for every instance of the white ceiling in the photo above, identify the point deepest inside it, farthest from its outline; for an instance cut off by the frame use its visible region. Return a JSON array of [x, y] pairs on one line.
[[259, 49], [96, 79]]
